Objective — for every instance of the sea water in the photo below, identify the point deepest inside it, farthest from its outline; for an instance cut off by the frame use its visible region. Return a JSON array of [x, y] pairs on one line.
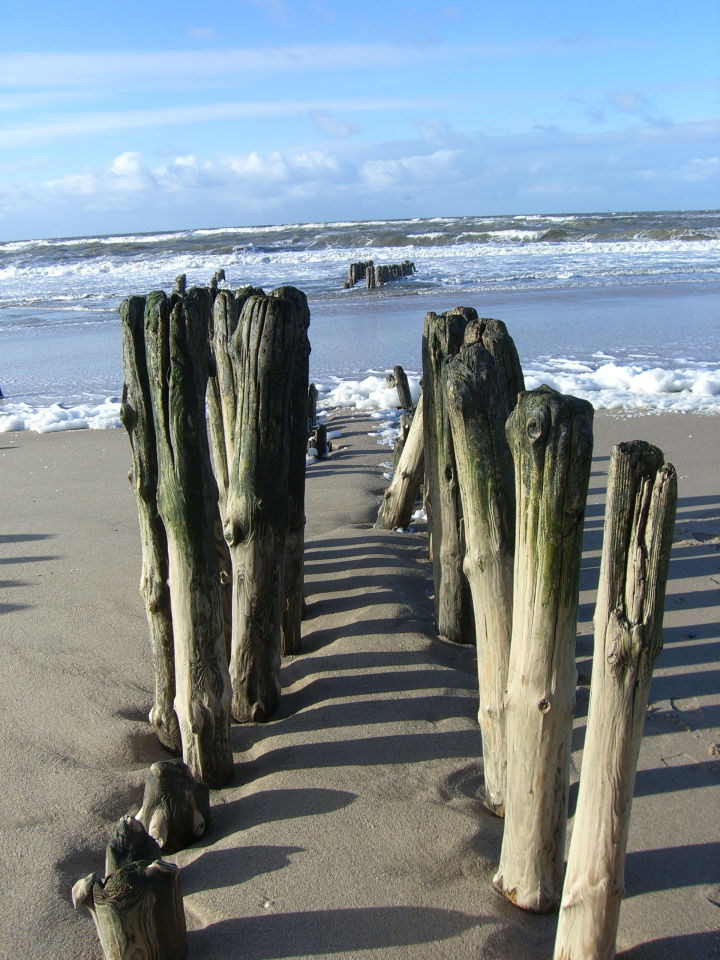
[[621, 309]]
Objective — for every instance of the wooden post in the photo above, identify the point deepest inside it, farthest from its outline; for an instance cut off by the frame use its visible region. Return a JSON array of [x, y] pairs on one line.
[[256, 515], [176, 808], [318, 441], [129, 842], [406, 420], [399, 499], [442, 338], [550, 436], [222, 399], [293, 576], [478, 408], [403, 388], [501, 346], [138, 911], [215, 280], [137, 418], [639, 521], [312, 408], [178, 358]]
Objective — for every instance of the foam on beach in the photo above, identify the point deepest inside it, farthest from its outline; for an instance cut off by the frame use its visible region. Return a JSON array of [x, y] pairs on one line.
[[630, 389]]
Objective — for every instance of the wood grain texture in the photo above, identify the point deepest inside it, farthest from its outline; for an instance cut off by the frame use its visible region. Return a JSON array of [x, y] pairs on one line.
[[639, 523]]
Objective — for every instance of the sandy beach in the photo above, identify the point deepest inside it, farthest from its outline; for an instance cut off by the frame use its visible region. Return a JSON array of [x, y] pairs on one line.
[[352, 827]]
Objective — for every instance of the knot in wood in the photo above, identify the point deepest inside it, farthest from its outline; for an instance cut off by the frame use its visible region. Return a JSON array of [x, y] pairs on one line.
[[543, 705], [534, 428]]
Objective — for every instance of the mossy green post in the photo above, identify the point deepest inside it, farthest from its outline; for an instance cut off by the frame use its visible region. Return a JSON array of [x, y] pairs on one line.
[[550, 436], [178, 359], [137, 418], [478, 406], [262, 351], [442, 338], [293, 567]]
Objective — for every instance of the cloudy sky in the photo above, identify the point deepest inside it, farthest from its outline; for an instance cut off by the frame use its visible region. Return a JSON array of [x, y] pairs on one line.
[[162, 115]]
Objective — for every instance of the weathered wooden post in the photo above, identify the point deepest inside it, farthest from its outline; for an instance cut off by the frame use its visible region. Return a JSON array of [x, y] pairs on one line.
[[138, 911], [222, 412], [442, 338], [639, 521], [501, 346], [406, 420], [403, 388], [176, 808], [129, 842], [319, 442], [478, 407], [550, 436], [399, 499], [312, 403], [256, 515], [178, 358], [293, 575], [137, 418]]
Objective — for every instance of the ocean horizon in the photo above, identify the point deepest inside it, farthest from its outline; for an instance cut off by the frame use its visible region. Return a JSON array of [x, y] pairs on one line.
[[620, 308]]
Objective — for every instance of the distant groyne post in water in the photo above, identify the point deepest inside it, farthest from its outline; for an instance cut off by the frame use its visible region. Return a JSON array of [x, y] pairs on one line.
[[376, 276]]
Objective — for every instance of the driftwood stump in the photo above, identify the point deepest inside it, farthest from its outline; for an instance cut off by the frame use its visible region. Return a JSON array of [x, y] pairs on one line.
[[442, 338], [138, 911], [176, 808], [137, 418], [399, 499], [550, 436], [478, 406], [639, 521], [178, 358], [262, 351], [129, 842], [293, 576]]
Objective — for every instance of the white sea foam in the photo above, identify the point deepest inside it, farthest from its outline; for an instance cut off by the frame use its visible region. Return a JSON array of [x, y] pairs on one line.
[[608, 385], [632, 387], [56, 417], [370, 394]]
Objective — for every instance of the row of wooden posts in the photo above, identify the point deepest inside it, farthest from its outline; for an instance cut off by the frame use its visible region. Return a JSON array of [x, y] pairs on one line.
[[506, 475], [222, 535], [221, 506], [376, 275]]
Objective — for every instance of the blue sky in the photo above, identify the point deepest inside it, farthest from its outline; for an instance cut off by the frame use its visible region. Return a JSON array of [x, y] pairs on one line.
[[152, 115]]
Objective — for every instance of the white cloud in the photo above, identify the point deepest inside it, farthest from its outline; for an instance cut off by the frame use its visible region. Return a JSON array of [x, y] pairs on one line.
[[339, 129], [701, 168], [406, 171], [540, 171], [180, 68], [89, 124]]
